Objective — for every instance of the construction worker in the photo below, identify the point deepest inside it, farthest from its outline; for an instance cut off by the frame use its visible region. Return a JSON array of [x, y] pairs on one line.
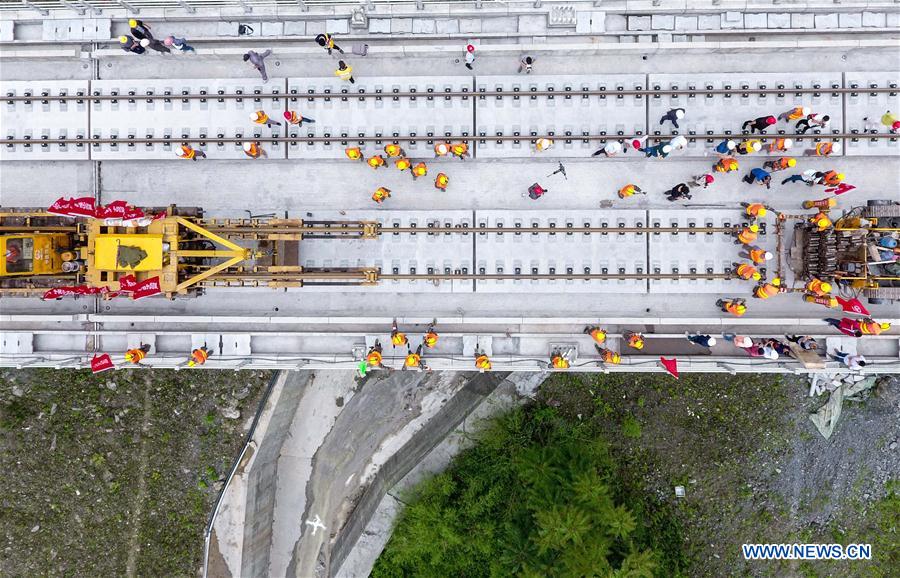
[[394, 150], [398, 338], [736, 306], [780, 164], [823, 204], [376, 162], [130, 44], [597, 334], [413, 358], [254, 150], [824, 149], [608, 356], [812, 120], [726, 165], [420, 170], [661, 150], [136, 355], [746, 272], [186, 151], [673, 116], [831, 178], [460, 150], [373, 357], [821, 221], [543, 144], [199, 356], [558, 360], [780, 145], [703, 180], [610, 149], [482, 362], [326, 41], [354, 154], [441, 181], [260, 117], [767, 290], [748, 146], [818, 287], [295, 118], [888, 120], [139, 29], [755, 210], [630, 190], [635, 340], [725, 147], [441, 149], [403, 163], [381, 194], [759, 124], [747, 235], [869, 326], [757, 255], [795, 113], [431, 336], [344, 72]]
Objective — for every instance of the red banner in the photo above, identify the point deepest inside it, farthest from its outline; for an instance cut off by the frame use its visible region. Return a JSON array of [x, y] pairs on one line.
[[146, 288], [853, 306], [58, 292], [671, 365], [101, 363], [62, 206], [83, 207], [840, 189], [127, 283], [114, 210], [115, 213]]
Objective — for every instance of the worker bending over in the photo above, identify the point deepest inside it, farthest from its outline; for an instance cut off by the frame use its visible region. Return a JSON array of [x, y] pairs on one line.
[[136, 355], [199, 356]]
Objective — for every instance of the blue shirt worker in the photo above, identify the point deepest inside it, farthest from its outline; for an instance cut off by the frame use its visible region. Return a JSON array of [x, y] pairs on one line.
[[759, 176]]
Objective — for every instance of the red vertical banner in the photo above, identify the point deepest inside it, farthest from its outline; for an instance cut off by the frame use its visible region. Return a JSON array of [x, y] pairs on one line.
[[101, 363], [670, 365]]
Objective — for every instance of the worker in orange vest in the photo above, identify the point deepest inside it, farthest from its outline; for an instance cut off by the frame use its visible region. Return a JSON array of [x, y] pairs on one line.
[[832, 178], [780, 164], [736, 306], [190, 153], [460, 150], [629, 190], [373, 357], [635, 340], [431, 336], [542, 144], [747, 234], [441, 149], [254, 150], [260, 117], [757, 255], [558, 360], [482, 362], [869, 326], [398, 338], [824, 149], [381, 194], [136, 355], [608, 356], [441, 181], [755, 210], [746, 272], [818, 287], [402, 163], [393, 150], [726, 165], [420, 170], [199, 356], [413, 359], [295, 118], [767, 290], [795, 113], [375, 162], [354, 154], [597, 334], [821, 221], [780, 145]]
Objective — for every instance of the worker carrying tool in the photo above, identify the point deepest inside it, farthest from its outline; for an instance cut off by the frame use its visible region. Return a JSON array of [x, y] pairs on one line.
[[354, 154], [296, 119], [608, 356], [755, 210], [821, 221], [736, 306], [482, 362], [441, 181], [199, 356], [769, 289], [795, 113], [137, 354], [393, 150], [398, 338], [818, 287], [780, 145], [253, 150], [832, 178], [558, 360], [381, 194], [431, 336], [376, 162], [460, 150], [756, 254], [186, 151], [373, 357], [596, 333], [747, 234], [746, 272], [634, 340], [420, 170], [780, 164], [260, 117], [630, 190], [824, 149], [402, 163], [441, 149], [726, 165], [413, 358], [542, 144]]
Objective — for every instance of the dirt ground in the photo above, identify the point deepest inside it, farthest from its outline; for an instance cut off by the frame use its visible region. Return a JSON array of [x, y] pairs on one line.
[[754, 467], [115, 474]]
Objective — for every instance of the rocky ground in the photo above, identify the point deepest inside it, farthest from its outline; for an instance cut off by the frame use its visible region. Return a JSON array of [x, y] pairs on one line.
[[115, 474], [753, 466]]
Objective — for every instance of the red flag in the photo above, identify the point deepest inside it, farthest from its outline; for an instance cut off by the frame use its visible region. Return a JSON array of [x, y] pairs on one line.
[[146, 288], [127, 283], [853, 306], [671, 365], [58, 292], [62, 206], [101, 363], [83, 207], [133, 213], [840, 189], [114, 210]]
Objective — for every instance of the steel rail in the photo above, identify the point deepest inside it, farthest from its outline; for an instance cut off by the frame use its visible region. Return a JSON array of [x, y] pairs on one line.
[[312, 275], [361, 94], [203, 140], [466, 230]]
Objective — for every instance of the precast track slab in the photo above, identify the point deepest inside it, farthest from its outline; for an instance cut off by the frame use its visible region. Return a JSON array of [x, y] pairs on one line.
[[44, 119], [864, 104]]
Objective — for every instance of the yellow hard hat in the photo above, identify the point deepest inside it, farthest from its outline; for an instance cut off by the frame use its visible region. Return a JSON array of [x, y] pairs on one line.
[[826, 287], [757, 276], [792, 162], [616, 358], [762, 212], [840, 176], [123, 39], [132, 23], [776, 282], [754, 227], [885, 326]]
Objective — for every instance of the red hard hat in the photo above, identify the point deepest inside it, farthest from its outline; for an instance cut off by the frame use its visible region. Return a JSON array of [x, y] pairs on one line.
[[287, 115], [470, 48], [771, 120], [709, 179]]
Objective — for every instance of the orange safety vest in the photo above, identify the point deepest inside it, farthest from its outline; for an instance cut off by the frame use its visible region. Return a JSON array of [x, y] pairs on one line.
[[420, 170], [398, 338], [818, 287], [796, 113], [726, 165], [745, 271], [636, 341], [782, 163], [402, 164], [831, 178], [626, 191], [559, 362], [381, 194], [261, 117], [598, 335], [766, 290], [254, 151], [431, 339], [412, 360], [441, 181], [373, 358], [441, 149], [869, 327], [758, 255], [778, 145], [376, 161], [736, 309], [823, 149], [393, 150], [747, 236], [199, 356], [482, 362], [187, 152], [353, 153], [135, 355], [459, 149], [610, 356], [820, 220], [754, 209]]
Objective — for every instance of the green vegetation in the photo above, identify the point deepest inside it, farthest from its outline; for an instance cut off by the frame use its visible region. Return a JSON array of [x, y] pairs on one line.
[[539, 495]]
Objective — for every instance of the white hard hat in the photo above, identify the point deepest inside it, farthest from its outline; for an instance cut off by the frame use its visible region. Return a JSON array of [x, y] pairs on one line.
[[613, 146], [667, 148], [248, 146], [836, 147], [805, 110], [178, 153], [712, 340], [768, 256], [679, 113], [254, 115], [788, 143], [755, 146], [730, 144], [770, 353], [743, 341], [680, 140], [145, 43]]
